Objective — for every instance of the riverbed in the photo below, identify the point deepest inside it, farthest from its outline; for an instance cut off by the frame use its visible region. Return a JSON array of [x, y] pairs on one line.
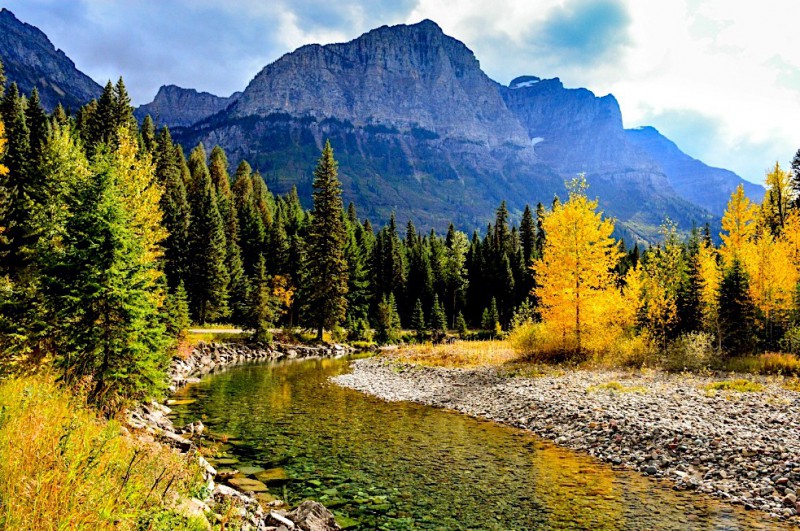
[[400, 465]]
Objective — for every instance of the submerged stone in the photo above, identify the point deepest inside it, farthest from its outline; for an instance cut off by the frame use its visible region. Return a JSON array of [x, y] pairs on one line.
[[247, 485]]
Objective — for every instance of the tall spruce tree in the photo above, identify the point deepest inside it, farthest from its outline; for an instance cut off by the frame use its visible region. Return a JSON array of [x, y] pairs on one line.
[[418, 322], [326, 267], [736, 311], [208, 276]]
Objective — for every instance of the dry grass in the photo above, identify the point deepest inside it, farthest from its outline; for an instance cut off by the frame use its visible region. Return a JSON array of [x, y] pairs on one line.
[[462, 354], [792, 385], [62, 467], [767, 363]]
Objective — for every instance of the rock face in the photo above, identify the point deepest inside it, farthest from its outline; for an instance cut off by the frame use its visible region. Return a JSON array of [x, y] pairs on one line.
[[419, 129], [31, 60], [178, 107], [695, 181]]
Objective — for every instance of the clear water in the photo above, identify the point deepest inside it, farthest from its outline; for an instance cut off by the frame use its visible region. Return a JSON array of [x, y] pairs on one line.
[[381, 465]]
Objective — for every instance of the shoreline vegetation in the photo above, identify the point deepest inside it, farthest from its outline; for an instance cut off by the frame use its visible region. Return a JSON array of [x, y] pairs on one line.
[[113, 243]]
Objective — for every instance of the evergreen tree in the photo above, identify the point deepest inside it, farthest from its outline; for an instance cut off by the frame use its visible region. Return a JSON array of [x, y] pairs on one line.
[[388, 320], [527, 231], [208, 276], [438, 318], [461, 326], [418, 321], [175, 208], [795, 180], [148, 135], [176, 309], [105, 288], [262, 306], [736, 311], [490, 319], [326, 266]]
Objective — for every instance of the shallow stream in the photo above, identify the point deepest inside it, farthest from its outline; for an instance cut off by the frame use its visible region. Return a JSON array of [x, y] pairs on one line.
[[381, 465]]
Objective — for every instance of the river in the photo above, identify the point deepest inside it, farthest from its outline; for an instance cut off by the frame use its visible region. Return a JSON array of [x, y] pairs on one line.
[[381, 465]]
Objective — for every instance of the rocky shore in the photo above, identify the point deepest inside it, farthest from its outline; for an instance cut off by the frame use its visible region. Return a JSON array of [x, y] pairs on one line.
[[152, 422], [741, 447]]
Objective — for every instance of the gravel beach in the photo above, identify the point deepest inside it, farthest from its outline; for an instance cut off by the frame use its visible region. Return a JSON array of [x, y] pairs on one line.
[[740, 447]]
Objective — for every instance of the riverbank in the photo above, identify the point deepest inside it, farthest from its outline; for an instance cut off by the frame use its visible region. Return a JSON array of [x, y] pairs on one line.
[[743, 448], [228, 495]]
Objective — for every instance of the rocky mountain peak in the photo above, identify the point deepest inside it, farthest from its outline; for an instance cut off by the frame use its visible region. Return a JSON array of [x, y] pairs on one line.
[[403, 77], [175, 106]]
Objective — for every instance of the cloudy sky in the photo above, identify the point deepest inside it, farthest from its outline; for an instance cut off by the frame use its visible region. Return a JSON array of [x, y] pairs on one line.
[[719, 77]]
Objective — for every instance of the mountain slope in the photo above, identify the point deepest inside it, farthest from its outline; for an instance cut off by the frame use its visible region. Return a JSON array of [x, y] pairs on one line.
[[419, 129], [416, 126], [695, 181], [31, 60], [179, 107]]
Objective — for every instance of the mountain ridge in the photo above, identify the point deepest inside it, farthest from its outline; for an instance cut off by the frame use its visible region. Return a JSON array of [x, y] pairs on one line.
[[31, 60]]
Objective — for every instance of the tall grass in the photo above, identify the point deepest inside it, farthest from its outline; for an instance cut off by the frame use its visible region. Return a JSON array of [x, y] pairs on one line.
[[460, 354], [63, 467]]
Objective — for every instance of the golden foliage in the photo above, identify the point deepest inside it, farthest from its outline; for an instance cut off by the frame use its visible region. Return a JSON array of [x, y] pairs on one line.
[[3, 169], [710, 278], [738, 224], [773, 276], [577, 290]]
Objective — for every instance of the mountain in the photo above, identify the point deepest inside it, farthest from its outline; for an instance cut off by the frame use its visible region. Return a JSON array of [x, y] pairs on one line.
[[416, 125], [419, 129], [175, 106], [695, 181], [31, 60]]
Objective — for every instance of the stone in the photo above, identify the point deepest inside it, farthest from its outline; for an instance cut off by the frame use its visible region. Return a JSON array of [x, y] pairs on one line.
[[273, 476], [313, 516], [247, 484]]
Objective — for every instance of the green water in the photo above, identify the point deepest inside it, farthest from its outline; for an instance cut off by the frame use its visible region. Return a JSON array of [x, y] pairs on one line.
[[381, 465]]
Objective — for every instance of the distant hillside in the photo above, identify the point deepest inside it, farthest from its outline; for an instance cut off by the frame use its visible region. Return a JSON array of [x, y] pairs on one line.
[[31, 60], [695, 181]]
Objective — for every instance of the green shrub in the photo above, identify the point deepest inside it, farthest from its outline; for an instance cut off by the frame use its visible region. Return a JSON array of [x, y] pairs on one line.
[[739, 386], [690, 351]]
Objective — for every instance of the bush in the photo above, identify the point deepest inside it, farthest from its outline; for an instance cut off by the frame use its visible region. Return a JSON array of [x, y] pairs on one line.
[[630, 351], [338, 334], [690, 351], [790, 342], [767, 363], [537, 342], [360, 331], [739, 386]]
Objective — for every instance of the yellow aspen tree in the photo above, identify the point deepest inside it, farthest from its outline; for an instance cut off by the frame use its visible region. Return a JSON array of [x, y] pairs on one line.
[[577, 289], [738, 224], [773, 278], [710, 278]]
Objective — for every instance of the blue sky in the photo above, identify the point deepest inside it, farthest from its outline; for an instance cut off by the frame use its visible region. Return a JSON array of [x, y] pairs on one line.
[[720, 78]]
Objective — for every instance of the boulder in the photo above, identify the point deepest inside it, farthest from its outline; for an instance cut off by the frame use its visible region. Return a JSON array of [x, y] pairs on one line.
[[313, 516]]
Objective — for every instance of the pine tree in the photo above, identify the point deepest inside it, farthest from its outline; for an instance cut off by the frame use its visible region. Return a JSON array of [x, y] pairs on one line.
[[19, 186], [175, 208], [105, 286], [326, 266], [736, 311], [148, 135], [461, 325], [262, 305], [208, 277], [388, 320], [795, 180], [176, 309], [527, 231], [438, 318], [418, 321]]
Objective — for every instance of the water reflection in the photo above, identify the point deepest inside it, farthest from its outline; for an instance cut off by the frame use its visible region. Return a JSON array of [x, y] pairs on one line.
[[382, 465]]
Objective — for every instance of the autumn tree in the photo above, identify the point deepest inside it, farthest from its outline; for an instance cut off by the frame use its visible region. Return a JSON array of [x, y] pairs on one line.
[[326, 266], [575, 271], [777, 200], [739, 225]]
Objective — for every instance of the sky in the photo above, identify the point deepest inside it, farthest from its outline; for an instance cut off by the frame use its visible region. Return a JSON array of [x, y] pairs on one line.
[[721, 78]]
